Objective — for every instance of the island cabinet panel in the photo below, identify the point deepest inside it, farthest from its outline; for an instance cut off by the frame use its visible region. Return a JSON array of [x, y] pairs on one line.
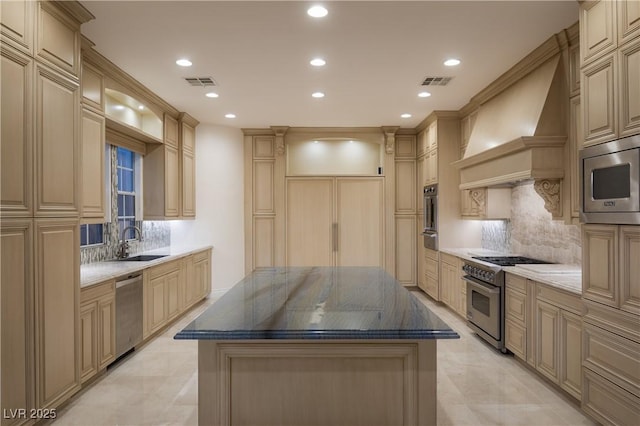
[[16, 161], [57, 310], [57, 144], [368, 384], [16, 24], [17, 333]]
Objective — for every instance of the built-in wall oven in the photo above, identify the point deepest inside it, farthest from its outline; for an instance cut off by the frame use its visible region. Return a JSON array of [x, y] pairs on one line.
[[486, 296], [430, 206]]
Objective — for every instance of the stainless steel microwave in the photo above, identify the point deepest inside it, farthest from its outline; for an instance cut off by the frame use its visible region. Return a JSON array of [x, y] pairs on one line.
[[611, 182]]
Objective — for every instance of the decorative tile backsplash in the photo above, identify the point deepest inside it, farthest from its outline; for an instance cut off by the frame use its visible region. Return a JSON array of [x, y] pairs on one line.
[[531, 231], [155, 234]]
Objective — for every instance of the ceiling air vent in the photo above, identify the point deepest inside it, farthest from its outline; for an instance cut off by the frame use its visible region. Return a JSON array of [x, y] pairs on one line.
[[436, 81], [201, 81]]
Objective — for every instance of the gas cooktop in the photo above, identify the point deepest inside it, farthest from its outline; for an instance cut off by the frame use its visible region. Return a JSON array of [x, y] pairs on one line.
[[509, 260]]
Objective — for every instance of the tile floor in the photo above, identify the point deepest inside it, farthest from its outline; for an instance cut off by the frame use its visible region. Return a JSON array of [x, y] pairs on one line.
[[477, 385]]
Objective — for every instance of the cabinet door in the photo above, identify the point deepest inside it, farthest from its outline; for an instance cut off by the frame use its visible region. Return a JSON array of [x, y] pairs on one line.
[[630, 269], [309, 221], [106, 331], [628, 20], [88, 341], [155, 301], [58, 38], [16, 163], [432, 167], [360, 220], [598, 34], [575, 141], [170, 131], [190, 294], [599, 264], [598, 85], [547, 342], [630, 89], [516, 339], [406, 249], [16, 29], [571, 353], [93, 165], [172, 183], [174, 305], [17, 292], [57, 310], [202, 278], [188, 184], [57, 145]]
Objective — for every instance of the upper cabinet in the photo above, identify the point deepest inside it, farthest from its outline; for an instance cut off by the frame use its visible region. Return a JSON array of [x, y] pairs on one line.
[[610, 61], [16, 28], [187, 165]]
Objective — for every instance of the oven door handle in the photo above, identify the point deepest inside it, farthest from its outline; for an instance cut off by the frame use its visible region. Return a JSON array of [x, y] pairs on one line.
[[481, 287]]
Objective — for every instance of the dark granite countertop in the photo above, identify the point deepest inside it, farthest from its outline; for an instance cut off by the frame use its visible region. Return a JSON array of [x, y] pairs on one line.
[[317, 303]]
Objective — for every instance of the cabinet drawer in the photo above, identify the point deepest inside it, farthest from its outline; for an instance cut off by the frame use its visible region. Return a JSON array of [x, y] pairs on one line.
[[608, 403], [431, 268], [163, 269], [516, 283], [515, 306], [516, 339], [94, 292], [612, 357], [201, 256], [568, 301], [451, 260]]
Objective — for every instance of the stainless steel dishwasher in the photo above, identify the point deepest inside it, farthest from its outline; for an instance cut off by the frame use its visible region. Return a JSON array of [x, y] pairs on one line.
[[128, 312]]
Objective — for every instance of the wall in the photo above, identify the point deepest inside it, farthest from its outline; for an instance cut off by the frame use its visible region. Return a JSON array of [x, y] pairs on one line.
[[532, 233], [219, 204]]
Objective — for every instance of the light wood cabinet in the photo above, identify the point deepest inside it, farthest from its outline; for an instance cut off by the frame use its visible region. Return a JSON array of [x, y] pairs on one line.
[[610, 267], [97, 328], [187, 166], [57, 145], [16, 163], [629, 80], [486, 203], [610, 52], [94, 202], [57, 310], [342, 216], [570, 377], [607, 403], [517, 316], [575, 144], [547, 339], [431, 167], [17, 326], [17, 23], [431, 273], [162, 295], [202, 279], [92, 82], [452, 286]]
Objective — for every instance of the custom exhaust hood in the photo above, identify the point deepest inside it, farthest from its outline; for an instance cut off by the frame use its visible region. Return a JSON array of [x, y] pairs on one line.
[[520, 134]]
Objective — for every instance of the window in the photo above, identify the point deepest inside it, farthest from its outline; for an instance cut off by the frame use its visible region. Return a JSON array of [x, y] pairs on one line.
[[126, 171], [91, 235]]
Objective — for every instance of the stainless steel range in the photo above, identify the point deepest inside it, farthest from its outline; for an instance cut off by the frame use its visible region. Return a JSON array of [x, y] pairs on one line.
[[486, 295]]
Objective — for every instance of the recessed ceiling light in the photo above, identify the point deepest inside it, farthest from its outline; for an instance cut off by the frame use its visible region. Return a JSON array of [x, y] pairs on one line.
[[318, 95], [118, 106], [318, 62], [140, 107], [211, 95], [405, 115], [230, 115], [184, 62], [315, 141], [424, 94], [452, 62], [317, 12]]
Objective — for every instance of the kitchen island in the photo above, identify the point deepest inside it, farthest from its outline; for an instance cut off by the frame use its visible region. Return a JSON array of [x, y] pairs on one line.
[[317, 345]]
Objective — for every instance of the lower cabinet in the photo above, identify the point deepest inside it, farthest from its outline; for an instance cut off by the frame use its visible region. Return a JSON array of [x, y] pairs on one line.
[[453, 289], [431, 279], [543, 326], [173, 287], [97, 328]]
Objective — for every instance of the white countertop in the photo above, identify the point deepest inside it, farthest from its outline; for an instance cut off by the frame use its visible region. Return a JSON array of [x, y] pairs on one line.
[[95, 273], [570, 279]]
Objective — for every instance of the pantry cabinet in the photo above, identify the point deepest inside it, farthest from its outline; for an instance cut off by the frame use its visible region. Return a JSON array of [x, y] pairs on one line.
[[57, 292], [97, 328], [17, 324], [16, 163]]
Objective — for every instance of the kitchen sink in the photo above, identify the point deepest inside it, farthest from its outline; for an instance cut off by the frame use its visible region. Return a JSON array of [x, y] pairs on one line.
[[143, 258]]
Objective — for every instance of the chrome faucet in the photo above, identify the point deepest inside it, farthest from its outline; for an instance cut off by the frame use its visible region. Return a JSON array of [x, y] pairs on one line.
[[123, 250]]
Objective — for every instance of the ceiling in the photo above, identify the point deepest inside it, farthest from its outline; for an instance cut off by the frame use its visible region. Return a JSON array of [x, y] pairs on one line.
[[378, 53]]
